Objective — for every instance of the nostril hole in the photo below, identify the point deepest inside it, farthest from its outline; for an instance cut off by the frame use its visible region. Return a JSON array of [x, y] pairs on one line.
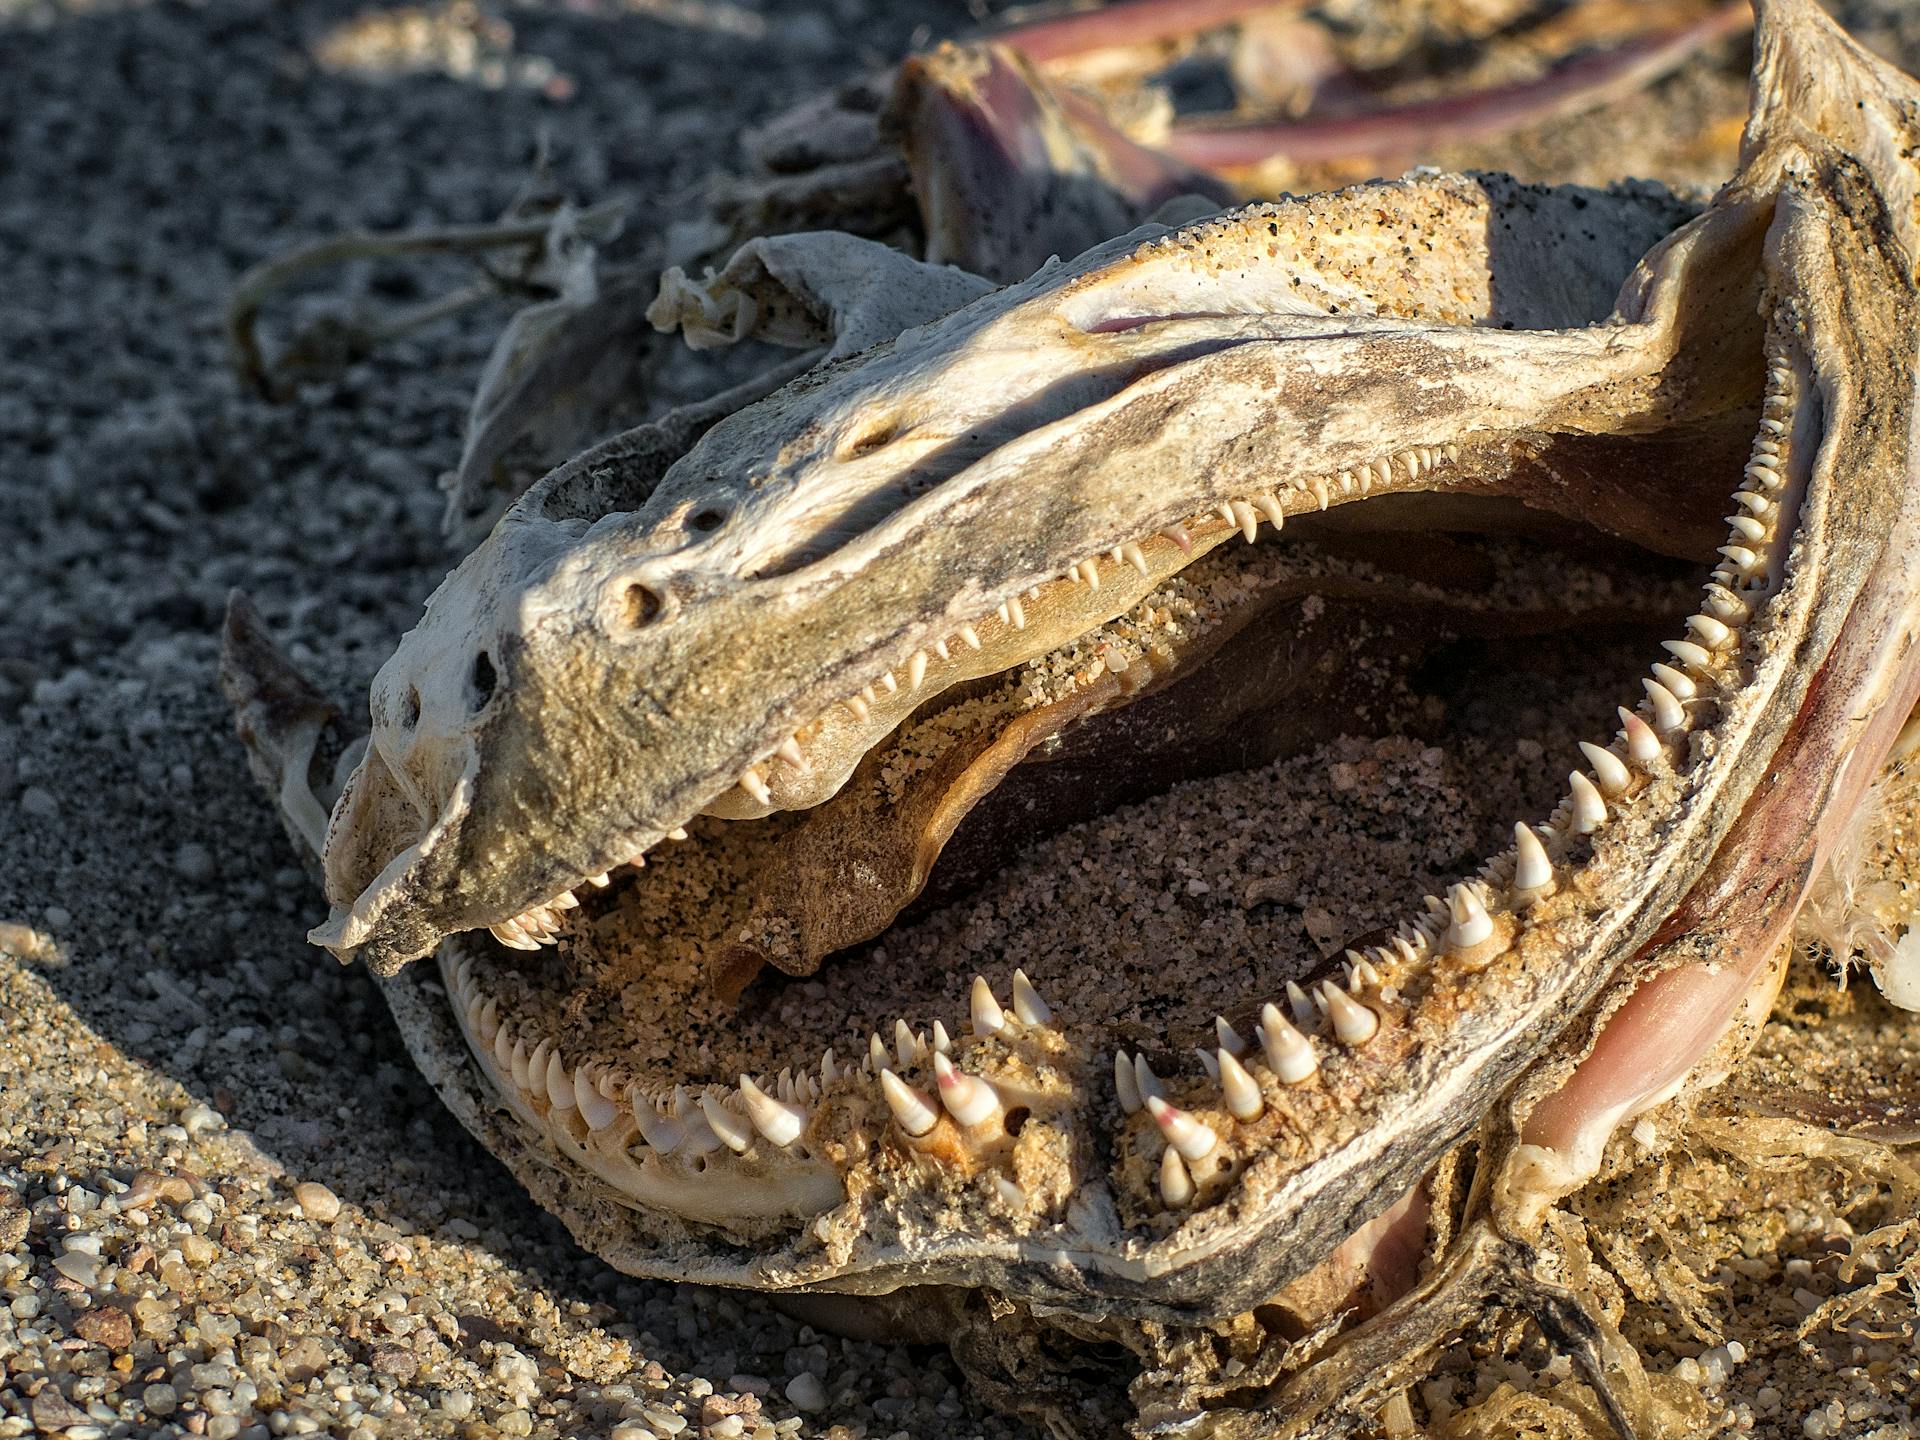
[[708, 520], [410, 711], [871, 440], [639, 605], [484, 679]]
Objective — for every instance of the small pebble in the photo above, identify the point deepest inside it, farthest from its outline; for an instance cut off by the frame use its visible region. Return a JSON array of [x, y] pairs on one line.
[[316, 1201]]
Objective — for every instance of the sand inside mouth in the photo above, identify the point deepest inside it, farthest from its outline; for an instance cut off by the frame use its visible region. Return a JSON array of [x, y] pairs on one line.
[[1149, 919]]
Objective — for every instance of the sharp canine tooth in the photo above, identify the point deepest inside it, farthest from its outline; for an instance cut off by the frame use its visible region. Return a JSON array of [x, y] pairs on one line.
[[512, 936], [1225, 512], [1469, 925], [987, 1017], [1355, 1024], [1289, 1053], [1018, 613], [1751, 503], [1134, 556], [916, 669], [779, 1120], [1270, 506], [564, 901], [1680, 686], [829, 1069], [1742, 557], [751, 782], [861, 710], [906, 1045], [503, 1042], [1532, 868], [1248, 518], [1668, 713], [1642, 744], [909, 1106], [1193, 1140], [1608, 769], [1713, 633], [1302, 1007], [559, 1083], [600, 881], [1176, 1185], [940, 649], [1747, 528], [1028, 1007], [1688, 653], [1123, 1083], [1178, 534], [791, 752], [596, 1109], [942, 1042], [657, 1130], [1208, 1064], [724, 1123], [517, 1063], [969, 1099], [1238, 1087], [1144, 1080], [1589, 810], [972, 639], [1228, 1037]]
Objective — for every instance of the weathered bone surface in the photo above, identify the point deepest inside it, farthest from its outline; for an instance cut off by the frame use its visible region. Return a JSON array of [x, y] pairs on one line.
[[1017, 509]]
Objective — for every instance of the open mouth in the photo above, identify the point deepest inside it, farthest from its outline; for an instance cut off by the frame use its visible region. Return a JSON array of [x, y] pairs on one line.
[[1084, 800]]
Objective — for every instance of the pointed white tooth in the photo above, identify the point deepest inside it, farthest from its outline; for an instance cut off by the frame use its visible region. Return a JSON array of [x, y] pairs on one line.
[[1382, 471], [940, 649], [861, 710], [970, 636], [1208, 1064], [942, 1042], [1028, 1007], [909, 1106], [1669, 715], [1144, 1080], [1353, 1023], [503, 1043], [870, 695], [1225, 511], [1747, 528], [1712, 633], [1589, 810], [734, 1132], [600, 881], [751, 782], [1532, 869], [781, 1121], [916, 669], [490, 1019], [1270, 506], [1228, 1038], [566, 900], [906, 1045], [1751, 503], [1680, 686], [1018, 613], [1302, 1007], [1178, 534], [1321, 494], [698, 1137], [1687, 653], [1176, 1184], [1090, 573], [517, 1064], [1134, 556], [889, 684], [1193, 1140], [1289, 1053], [1609, 770], [657, 1130], [1241, 1092], [1248, 518], [596, 1109], [1123, 1082], [559, 1083], [1743, 559], [968, 1098], [1468, 922], [1643, 746], [877, 1052], [1006, 616], [509, 933], [986, 1016], [1011, 1195], [1725, 604], [791, 752], [829, 1067]]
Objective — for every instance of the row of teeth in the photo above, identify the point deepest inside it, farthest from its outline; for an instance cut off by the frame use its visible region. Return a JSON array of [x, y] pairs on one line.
[[777, 1109], [1463, 925], [1243, 515], [540, 925]]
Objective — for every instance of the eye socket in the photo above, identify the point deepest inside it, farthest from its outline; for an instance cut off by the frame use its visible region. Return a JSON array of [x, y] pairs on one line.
[[640, 605], [708, 520], [484, 679]]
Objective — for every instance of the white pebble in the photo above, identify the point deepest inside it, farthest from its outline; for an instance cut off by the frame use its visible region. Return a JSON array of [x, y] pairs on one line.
[[805, 1392]]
